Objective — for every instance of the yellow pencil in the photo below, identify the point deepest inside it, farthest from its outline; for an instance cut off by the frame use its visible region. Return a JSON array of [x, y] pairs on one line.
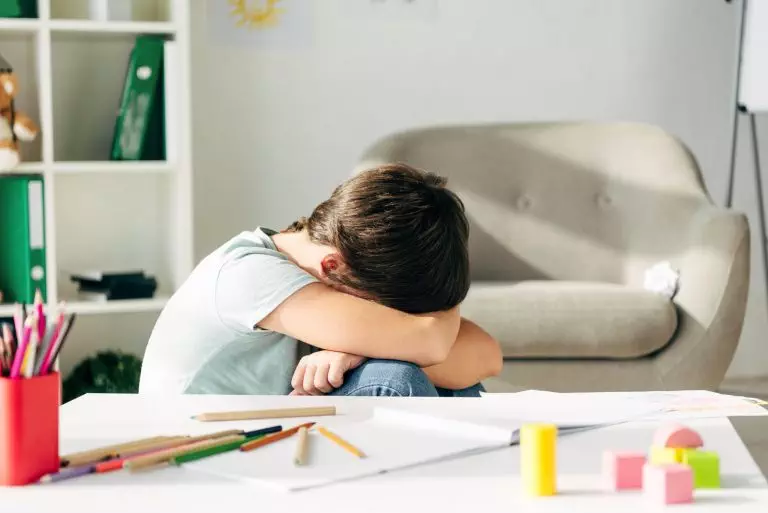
[[340, 442]]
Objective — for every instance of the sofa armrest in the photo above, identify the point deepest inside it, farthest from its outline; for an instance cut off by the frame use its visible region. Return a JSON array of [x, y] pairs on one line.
[[714, 282]]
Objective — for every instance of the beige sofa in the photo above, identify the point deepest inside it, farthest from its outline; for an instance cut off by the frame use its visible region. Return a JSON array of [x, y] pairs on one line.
[[566, 218]]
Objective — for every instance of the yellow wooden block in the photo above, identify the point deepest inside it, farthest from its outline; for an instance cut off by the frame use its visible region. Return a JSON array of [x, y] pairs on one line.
[[666, 455], [538, 459]]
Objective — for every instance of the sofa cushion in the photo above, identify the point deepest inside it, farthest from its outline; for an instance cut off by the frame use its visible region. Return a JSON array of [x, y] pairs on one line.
[[556, 319]]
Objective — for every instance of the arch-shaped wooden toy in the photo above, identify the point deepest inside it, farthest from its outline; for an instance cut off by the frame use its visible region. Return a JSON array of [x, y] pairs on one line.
[[677, 436]]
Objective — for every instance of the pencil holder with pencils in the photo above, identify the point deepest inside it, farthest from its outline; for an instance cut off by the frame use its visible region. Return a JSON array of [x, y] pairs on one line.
[[29, 428]]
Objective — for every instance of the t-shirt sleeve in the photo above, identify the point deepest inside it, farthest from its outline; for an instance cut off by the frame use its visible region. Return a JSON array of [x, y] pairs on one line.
[[251, 285]]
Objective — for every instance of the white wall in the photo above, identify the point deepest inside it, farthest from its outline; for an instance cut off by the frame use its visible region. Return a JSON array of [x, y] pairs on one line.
[[276, 128]]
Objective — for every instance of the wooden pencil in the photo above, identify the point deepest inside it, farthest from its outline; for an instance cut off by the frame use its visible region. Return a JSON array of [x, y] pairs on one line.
[[274, 437], [316, 411], [300, 457], [150, 460], [340, 442], [157, 442], [102, 453]]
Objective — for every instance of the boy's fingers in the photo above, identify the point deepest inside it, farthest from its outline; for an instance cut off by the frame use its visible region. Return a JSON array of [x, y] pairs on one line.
[[309, 380], [298, 376], [336, 375], [321, 379]]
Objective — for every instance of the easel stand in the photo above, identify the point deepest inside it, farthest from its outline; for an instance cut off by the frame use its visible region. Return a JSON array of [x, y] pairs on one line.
[[758, 176]]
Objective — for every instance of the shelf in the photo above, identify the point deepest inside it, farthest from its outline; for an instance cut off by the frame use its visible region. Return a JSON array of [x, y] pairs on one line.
[[19, 25], [88, 26], [102, 307], [25, 168], [112, 27], [121, 306], [106, 167]]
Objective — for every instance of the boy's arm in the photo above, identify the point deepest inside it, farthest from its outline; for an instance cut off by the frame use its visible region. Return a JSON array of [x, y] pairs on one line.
[[329, 319], [474, 357]]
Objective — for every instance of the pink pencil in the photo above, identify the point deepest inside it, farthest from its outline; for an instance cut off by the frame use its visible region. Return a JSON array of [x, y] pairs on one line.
[[18, 322], [40, 315], [45, 362], [21, 350]]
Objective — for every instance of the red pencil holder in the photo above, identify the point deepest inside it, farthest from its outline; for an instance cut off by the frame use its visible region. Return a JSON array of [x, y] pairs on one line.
[[29, 428]]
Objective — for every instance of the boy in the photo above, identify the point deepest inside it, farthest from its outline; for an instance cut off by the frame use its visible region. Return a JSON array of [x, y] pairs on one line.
[[372, 279]]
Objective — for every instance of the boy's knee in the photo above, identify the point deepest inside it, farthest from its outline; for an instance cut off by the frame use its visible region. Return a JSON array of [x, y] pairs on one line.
[[387, 378]]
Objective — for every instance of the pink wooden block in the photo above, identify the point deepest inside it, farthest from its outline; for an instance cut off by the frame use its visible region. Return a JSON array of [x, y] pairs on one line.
[[623, 470], [668, 484], [677, 436]]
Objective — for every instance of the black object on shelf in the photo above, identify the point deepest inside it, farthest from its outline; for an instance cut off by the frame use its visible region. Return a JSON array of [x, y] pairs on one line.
[[104, 286]]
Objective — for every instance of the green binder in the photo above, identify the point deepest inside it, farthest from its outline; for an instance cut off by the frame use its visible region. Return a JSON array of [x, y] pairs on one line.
[[139, 130], [22, 235]]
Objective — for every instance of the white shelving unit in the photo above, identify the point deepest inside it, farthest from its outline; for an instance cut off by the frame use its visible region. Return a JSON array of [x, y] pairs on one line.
[[101, 214]]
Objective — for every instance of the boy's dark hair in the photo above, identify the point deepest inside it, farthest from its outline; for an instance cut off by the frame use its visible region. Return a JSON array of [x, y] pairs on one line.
[[401, 234]]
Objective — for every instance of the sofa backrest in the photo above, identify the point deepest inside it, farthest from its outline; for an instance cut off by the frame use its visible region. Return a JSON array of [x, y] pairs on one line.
[[566, 201]]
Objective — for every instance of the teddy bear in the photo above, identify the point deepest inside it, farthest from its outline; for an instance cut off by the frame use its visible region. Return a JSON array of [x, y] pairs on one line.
[[15, 126]]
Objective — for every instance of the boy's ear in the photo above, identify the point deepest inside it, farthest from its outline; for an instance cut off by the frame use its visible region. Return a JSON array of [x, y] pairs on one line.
[[330, 263]]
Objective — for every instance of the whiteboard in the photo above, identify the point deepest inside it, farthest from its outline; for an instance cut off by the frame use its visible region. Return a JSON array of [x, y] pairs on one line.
[[753, 88]]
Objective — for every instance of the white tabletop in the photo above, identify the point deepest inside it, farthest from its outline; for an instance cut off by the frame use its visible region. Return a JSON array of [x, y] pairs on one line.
[[486, 482]]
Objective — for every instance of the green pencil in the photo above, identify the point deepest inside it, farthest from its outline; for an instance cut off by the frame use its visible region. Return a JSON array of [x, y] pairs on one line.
[[211, 451]]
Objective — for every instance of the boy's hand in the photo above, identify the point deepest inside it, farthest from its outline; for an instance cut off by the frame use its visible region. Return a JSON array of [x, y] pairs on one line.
[[321, 372]]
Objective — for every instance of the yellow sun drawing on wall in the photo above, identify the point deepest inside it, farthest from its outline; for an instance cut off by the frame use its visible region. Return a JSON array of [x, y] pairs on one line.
[[263, 14]]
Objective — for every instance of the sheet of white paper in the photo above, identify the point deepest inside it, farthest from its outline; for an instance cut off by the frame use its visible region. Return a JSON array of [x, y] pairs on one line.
[[389, 442], [569, 409], [602, 406]]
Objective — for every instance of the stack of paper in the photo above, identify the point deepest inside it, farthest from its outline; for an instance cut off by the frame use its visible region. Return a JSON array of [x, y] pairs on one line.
[[596, 408]]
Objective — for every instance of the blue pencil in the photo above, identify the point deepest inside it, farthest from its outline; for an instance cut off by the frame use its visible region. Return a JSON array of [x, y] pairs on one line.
[[262, 431]]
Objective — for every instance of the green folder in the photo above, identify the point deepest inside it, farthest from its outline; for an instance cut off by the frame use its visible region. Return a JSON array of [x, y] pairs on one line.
[[139, 130], [18, 8], [22, 235]]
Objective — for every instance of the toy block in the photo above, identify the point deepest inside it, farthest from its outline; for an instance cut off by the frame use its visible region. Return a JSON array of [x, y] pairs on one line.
[[677, 436], [538, 458], [666, 455], [705, 466], [623, 470], [668, 484]]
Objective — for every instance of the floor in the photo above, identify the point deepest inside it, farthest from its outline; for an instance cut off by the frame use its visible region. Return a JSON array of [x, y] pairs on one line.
[[750, 387]]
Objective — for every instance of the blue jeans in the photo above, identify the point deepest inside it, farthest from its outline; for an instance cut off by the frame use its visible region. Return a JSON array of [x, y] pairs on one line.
[[392, 378]]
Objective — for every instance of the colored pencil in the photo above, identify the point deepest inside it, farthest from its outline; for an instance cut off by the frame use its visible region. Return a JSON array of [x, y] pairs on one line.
[[41, 321], [340, 442], [119, 462], [21, 350], [212, 451], [150, 460], [8, 339], [31, 356], [274, 437], [67, 473], [262, 431], [266, 414], [53, 342], [18, 322], [50, 363], [300, 456], [111, 451]]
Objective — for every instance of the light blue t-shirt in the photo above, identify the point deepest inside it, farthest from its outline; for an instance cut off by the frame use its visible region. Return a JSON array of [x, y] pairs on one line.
[[206, 340]]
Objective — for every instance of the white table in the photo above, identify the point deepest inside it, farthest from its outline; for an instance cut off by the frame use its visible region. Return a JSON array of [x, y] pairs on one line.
[[486, 482]]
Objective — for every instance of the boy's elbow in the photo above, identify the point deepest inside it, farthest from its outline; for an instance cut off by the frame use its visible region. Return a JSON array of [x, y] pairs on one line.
[[495, 357], [496, 364]]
